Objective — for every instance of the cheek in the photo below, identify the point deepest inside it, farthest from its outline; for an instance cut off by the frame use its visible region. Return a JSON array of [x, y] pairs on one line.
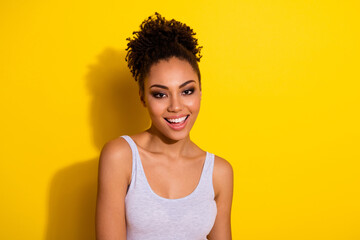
[[194, 104], [156, 107]]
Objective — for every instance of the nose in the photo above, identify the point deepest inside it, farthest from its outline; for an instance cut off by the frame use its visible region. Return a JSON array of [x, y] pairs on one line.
[[175, 104]]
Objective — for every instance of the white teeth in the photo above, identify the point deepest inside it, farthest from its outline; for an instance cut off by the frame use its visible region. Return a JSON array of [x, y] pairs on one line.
[[176, 120]]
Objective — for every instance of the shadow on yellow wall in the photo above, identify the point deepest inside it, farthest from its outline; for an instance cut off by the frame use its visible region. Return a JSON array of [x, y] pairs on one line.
[[115, 110]]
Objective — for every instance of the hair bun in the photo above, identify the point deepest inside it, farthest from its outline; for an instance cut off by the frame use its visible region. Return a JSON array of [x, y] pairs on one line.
[[156, 32]]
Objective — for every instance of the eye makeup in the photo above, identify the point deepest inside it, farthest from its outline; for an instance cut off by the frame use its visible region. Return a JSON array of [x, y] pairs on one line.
[[186, 92], [157, 94], [189, 91]]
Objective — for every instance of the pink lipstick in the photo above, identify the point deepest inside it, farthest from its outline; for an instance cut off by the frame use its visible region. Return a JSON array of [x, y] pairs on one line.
[[177, 123]]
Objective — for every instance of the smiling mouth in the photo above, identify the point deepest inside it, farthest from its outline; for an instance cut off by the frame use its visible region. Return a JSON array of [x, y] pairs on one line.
[[177, 120]]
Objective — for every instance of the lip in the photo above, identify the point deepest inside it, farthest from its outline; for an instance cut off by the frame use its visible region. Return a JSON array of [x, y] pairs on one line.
[[176, 126], [178, 116]]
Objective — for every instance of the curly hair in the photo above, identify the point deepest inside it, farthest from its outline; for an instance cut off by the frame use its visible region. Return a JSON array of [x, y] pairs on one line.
[[161, 39]]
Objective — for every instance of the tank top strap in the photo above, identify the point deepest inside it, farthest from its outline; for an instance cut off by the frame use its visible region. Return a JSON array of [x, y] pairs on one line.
[[208, 173], [135, 161], [132, 145]]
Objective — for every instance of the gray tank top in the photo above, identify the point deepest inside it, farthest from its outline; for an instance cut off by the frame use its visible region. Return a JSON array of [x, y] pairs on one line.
[[152, 217]]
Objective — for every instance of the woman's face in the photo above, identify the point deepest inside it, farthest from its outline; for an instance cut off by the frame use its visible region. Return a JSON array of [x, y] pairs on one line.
[[172, 96]]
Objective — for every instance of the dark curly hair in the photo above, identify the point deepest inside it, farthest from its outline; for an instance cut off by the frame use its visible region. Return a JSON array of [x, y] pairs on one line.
[[161, 39]]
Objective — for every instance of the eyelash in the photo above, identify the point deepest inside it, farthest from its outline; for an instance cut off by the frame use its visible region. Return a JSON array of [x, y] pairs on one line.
[[191, 91], [161, 95], [156, 95]]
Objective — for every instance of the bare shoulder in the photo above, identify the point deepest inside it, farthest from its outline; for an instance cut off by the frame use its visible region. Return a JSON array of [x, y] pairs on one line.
[[222, 166], [115, 148], [222, 175], [116, 158], [114, 175], [223, 189]]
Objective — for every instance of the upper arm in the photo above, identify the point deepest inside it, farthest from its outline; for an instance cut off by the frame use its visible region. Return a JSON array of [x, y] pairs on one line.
[[113, 179], [223, 187]]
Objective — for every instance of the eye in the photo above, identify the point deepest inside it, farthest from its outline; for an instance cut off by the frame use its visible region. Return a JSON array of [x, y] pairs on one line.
[[158, 95], [188, 91]]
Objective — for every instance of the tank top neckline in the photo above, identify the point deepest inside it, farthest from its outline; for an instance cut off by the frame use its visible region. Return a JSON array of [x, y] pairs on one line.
[[138, 159]]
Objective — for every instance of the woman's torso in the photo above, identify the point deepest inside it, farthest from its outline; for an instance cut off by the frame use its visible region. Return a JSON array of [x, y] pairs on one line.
[[155, 211]]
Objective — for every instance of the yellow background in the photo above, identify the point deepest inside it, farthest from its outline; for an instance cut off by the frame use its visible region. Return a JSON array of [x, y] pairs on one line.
[[280, 102]]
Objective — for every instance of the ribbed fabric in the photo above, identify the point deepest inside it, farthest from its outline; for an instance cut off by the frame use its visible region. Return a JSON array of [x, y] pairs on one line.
[[152, 217]]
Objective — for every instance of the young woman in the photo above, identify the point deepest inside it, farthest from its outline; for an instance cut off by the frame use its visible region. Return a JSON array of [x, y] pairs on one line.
[[158, 184]]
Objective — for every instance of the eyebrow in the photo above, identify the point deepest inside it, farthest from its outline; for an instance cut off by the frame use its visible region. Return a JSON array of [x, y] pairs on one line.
[[165, 87]]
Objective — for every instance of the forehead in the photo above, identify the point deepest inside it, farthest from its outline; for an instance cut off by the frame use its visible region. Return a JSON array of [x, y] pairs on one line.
[[171, 72]]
